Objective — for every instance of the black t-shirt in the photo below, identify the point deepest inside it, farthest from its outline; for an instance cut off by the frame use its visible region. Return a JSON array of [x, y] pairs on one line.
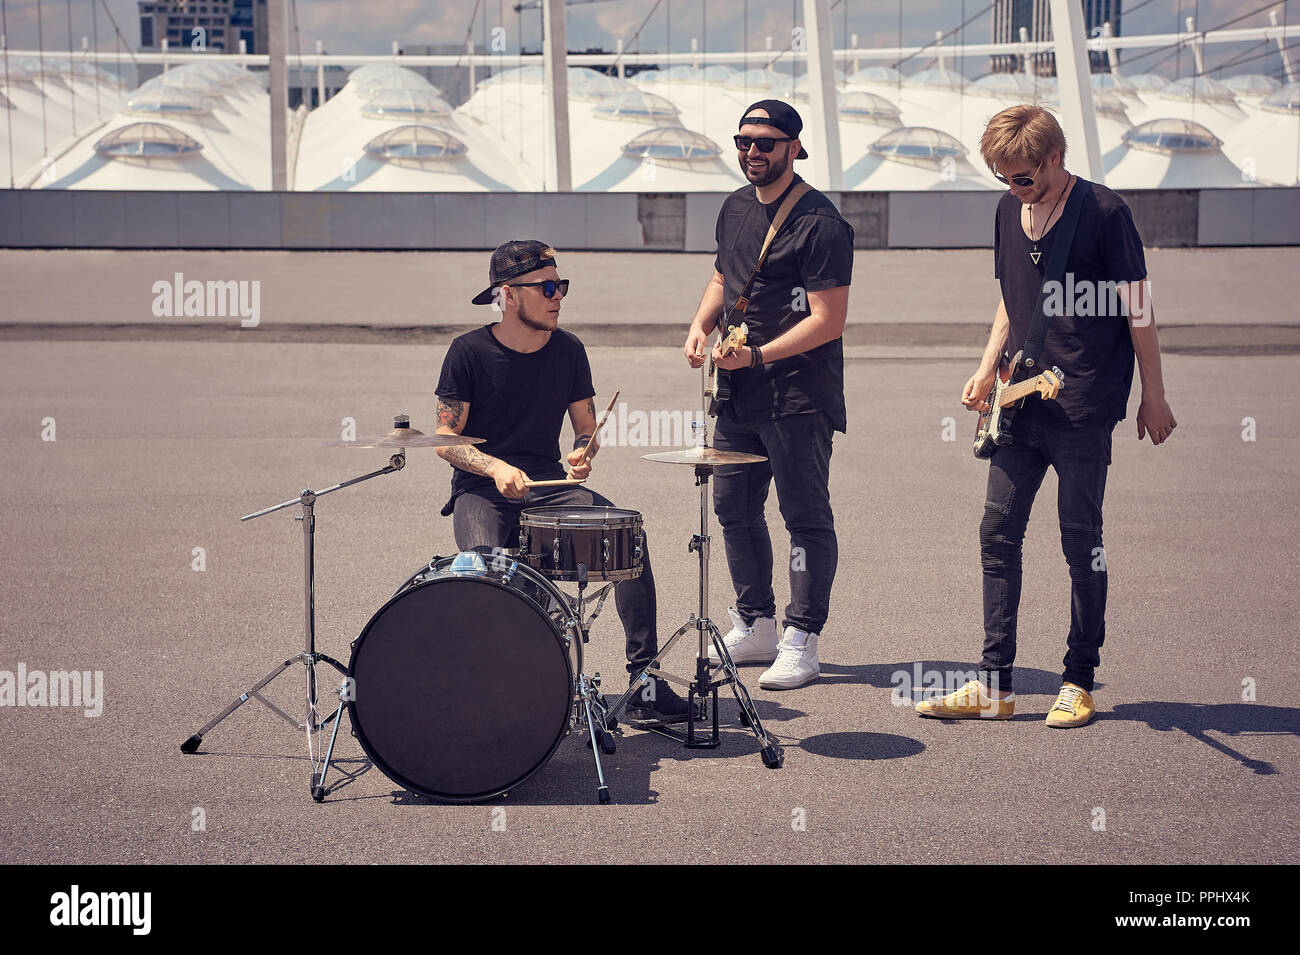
[[812, 252], [517, 400], [1087, 332]]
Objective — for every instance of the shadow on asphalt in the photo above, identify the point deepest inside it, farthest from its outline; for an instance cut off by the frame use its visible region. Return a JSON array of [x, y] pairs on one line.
[[862, 746], [1198, 720], [569, 779]]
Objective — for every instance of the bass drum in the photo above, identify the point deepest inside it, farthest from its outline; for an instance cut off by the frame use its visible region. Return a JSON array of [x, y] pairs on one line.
[[462, 684]]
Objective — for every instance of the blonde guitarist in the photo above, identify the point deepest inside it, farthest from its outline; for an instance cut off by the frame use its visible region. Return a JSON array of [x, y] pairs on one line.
[[1054, 230]]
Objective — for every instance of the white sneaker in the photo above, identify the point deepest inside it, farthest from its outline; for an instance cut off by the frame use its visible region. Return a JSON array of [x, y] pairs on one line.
[[752, 644], [796, 662]]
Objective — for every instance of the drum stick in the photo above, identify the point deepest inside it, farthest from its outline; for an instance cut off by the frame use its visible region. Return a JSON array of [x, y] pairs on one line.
[[586, 452], [563, 482]]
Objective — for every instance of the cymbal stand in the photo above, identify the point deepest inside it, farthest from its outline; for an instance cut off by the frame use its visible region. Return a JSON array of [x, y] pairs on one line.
[[308, 656], [704, 687]]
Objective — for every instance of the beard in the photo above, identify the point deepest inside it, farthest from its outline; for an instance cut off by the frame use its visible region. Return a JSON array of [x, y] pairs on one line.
[[544, 323], [765, 176]]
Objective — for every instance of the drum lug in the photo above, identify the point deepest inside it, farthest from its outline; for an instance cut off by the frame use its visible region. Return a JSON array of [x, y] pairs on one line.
[[510, 573], [555, 553], [604, 552]]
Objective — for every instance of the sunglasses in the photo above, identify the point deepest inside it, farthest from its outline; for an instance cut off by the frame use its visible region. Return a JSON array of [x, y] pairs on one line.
[[764, 143], [548, 287], [1024, 182]]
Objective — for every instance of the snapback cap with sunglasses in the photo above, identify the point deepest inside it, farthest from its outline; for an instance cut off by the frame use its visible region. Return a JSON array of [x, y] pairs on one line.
[[511, 260], [781, 115]]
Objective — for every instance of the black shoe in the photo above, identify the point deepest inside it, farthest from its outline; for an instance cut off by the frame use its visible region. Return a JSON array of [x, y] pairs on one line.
[[655, 702]]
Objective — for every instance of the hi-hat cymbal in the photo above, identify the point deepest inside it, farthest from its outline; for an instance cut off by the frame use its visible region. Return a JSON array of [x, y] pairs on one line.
[[704, 457], [411, 438]]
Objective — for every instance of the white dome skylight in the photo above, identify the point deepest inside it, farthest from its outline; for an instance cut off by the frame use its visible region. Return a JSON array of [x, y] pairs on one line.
[[1172, 135], [637, 106], [415, 143], [672, 144], [147, 140], [918, 144]]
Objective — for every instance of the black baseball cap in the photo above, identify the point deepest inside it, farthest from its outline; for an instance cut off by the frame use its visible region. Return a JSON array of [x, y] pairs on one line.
[[513, 259], [781, 115]]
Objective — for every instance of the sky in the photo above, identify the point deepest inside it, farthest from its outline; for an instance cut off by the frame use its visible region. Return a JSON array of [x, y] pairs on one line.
[[350, 26]]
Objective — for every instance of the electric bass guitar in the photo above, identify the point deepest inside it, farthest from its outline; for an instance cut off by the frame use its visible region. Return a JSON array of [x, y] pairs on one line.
[[718, 390], [994, 428]]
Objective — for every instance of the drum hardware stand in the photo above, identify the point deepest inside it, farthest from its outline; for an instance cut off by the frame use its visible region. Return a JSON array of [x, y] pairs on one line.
[[309, 657], [704, 687], [593, 712]]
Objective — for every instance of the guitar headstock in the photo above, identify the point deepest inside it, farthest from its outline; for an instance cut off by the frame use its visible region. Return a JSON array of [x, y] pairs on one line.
[[735, 339], [1049, 383]]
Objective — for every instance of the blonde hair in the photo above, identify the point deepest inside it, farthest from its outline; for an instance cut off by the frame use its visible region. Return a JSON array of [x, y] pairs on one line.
[[1021, 135]]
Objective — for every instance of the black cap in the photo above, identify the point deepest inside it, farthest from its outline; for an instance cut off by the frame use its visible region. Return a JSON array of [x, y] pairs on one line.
[[781, 115], [513, 259]]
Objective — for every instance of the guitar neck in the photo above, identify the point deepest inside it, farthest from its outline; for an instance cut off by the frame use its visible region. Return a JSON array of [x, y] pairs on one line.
[[1013, 393]]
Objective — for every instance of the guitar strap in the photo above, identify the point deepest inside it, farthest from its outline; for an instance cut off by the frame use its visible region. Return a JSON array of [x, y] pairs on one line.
[[1054, 271], [783, 213]]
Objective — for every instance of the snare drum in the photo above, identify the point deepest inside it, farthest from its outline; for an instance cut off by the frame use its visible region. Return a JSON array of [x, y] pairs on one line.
[[607, 540], [463, 683]]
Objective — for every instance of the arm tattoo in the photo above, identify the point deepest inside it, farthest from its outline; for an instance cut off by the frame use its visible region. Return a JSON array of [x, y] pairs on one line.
[[468, 458], [591, 407], [449, 413]]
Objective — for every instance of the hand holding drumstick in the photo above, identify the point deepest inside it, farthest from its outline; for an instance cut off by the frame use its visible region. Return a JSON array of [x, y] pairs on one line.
[[580, 459]]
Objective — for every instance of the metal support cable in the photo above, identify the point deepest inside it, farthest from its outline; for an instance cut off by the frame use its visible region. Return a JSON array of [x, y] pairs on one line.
[[9, 122], [953, 32], [72, 76]]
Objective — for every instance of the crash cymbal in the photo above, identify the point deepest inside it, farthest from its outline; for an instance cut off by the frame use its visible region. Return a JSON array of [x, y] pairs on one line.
[[411, 438], [704, 456]]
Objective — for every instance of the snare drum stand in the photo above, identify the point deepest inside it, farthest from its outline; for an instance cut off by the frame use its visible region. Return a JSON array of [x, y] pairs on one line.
[[308, 656], [590, 709], [704, 687]]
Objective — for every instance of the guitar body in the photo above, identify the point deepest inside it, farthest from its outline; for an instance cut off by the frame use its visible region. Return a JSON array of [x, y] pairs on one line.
[[994, 428], [718, 390]]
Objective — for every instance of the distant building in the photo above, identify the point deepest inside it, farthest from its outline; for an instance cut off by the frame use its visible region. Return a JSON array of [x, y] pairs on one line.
[[216, 26], [1010, 15]]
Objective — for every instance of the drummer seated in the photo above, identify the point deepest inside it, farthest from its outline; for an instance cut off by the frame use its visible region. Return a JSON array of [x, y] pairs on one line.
[[512, 383]]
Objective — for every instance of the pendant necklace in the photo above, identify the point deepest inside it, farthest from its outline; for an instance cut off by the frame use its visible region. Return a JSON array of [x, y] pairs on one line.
[[1035, 255]]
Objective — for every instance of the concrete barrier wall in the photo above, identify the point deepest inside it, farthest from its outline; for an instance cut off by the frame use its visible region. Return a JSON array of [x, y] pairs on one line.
[[607, 221]]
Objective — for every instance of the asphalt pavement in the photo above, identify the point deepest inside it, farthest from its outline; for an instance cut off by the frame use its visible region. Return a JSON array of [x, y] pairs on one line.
[[159, 446]]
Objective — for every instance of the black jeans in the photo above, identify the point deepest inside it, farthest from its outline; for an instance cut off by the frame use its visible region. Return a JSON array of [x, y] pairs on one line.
[[798, 452], [1080, 457], [494, 522]]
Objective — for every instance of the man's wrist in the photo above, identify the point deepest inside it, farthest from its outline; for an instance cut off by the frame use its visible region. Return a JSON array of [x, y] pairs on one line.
[[581, 441]]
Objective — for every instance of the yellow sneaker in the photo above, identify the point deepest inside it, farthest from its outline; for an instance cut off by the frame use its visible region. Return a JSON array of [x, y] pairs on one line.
[[970, 702], [1073, 707]]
